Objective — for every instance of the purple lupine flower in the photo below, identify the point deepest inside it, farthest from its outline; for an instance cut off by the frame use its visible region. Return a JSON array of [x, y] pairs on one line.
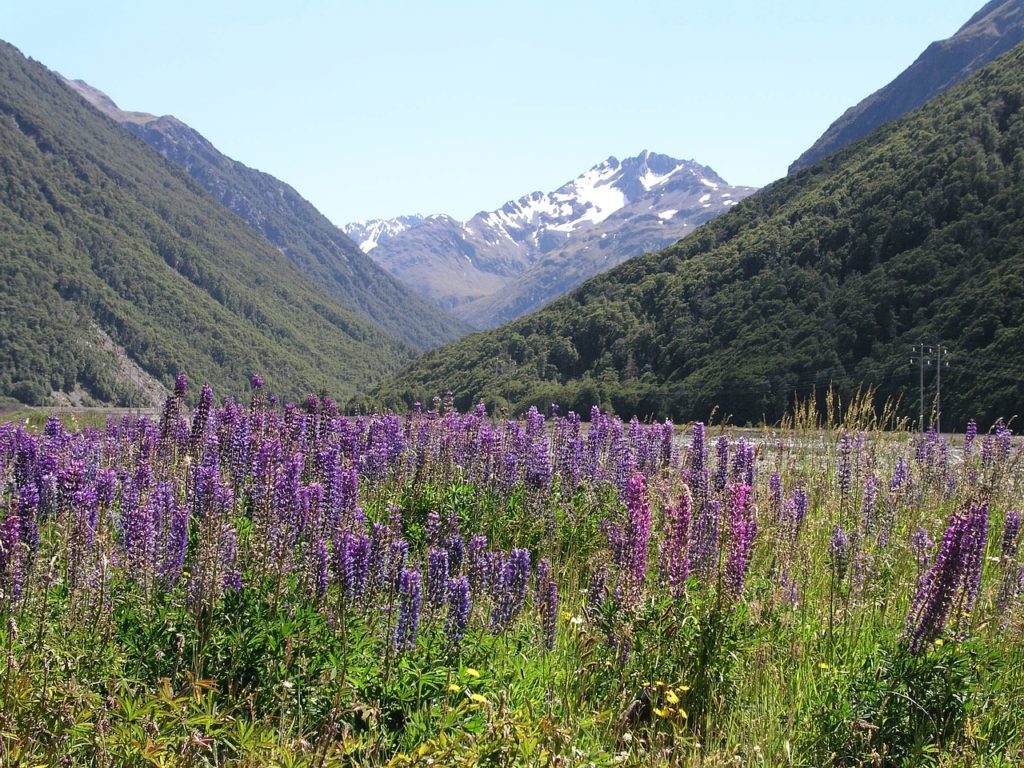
[[398, 554], [239, 445], [621, 457], [677, 542], [351, 563], [742, 530], [346, 493], [722, 468], [625, 648], [53, 428], [83, 533], [538, 460], [596, 589], [570, 458], [377, 556], [407, 630], [229, 557], [476, 562], [593, 444], [432, 528], [197, 438], [988, 451], [510, 457], [357, 574], [456, 547], [1011, 534], [749, 464], [460, 605], [799, 497], [394, 438], [616, 536], [549, 613], [509, 589], [493, 566], [921, 545], [950, 586], [707, 526], [839, 553], [667, 441], [775, 495], [900, 475], [845, 466], [12, 558], [172, 408], [172, 510], [739, 462], [543, 574], [637, 536], [645, 458], [138, 526], [969, 437], [28, 512], [697, 469], [1004, 438], [437, 577], [869, 499]]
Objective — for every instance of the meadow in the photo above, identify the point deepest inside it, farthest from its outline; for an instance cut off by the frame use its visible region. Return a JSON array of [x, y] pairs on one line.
[[254, 584]]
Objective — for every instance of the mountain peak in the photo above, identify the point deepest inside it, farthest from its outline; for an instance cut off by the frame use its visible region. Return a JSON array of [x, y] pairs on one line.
[[504, 262]]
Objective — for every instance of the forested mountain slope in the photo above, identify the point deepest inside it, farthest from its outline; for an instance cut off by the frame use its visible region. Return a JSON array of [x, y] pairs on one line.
[[319, 249], [119, 270], [829, 276]]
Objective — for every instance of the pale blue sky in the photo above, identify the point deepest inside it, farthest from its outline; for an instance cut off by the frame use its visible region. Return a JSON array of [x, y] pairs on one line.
[[375, 109]]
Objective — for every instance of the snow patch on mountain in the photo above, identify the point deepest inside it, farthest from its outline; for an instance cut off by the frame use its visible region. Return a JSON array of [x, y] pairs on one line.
[[369, 234]]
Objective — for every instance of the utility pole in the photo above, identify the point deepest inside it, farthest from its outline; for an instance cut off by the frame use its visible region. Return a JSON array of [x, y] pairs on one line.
[[924, 355], [922, 358], [939, 352]]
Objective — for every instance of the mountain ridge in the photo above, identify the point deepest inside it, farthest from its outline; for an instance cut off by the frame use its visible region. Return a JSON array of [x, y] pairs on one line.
[[292, 224], [996, 28], [501, 263]]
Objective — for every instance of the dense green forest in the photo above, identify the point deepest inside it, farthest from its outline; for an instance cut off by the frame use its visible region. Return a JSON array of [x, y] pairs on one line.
[[825, 279], [321, 251], [105, 245]]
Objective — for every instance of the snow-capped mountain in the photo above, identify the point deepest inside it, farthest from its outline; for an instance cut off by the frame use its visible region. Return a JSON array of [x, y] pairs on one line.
[[504, 263], [369, 234]]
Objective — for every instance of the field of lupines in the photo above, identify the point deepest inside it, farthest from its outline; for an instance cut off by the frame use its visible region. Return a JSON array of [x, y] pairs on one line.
[[253, 584]]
